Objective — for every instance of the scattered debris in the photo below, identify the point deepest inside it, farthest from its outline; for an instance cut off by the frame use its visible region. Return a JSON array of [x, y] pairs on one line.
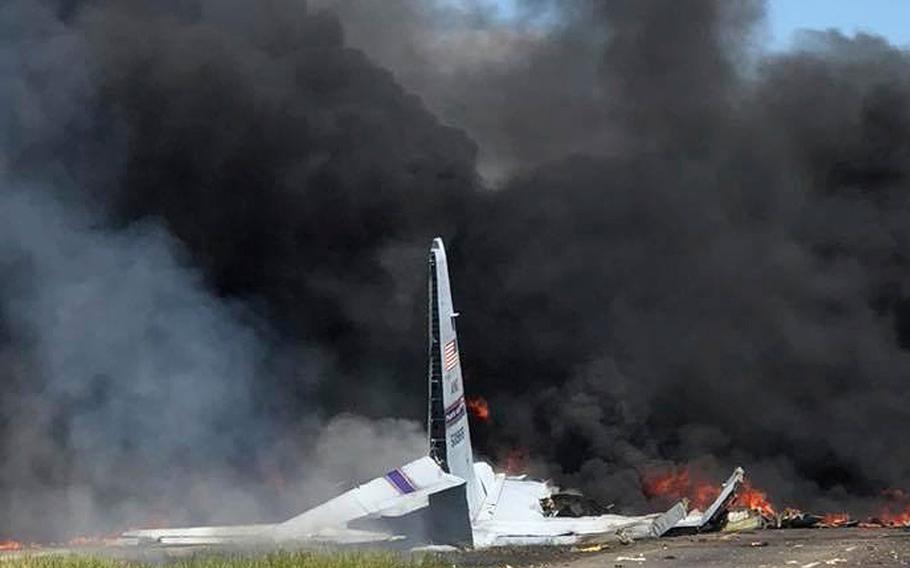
[[666, 521], [738, 521], [795, 519], [593, 548], [572, 505], [714, 516], [624, 537]]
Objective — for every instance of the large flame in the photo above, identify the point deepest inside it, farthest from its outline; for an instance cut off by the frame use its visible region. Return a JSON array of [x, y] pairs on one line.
[[754, 500], [673, 483], [896, 512], [678, 483], [479, 407], [681, 482]]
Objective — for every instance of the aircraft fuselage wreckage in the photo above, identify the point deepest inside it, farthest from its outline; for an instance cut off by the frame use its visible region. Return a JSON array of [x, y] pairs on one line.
[[445, 497]]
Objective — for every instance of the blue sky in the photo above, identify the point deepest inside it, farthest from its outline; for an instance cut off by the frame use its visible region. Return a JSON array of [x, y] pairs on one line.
[[888, 18]]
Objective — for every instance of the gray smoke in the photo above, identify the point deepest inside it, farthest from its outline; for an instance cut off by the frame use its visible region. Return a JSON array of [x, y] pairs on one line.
[[119, 363], [133, 389]]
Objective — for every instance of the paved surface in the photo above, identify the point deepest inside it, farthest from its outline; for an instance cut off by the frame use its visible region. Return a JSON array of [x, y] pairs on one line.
[[804, 548]]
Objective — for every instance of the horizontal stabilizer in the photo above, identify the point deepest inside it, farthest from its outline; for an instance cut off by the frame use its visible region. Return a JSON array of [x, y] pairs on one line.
[[398, 493]]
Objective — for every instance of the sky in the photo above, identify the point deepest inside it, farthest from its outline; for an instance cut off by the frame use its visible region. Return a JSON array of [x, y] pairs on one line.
[[887, 18]]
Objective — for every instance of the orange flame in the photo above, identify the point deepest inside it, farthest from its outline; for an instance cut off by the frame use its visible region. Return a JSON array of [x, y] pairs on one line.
[[901, 519], [669, 484], [754, 500], [478, 407], [10, 545], [897, 512], [679, 483], [833, 520], [676, 484]]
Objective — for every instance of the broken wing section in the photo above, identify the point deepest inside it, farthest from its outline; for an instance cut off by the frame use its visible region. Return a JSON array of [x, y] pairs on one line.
[[417, 486], [194, 536], [420, 487]]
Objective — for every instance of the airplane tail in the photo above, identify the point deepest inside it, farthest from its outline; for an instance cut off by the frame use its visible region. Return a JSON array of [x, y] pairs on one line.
[[449, 434]]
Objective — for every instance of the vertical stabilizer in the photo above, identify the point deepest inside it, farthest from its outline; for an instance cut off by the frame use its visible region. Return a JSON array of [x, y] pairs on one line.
[[450, 437]]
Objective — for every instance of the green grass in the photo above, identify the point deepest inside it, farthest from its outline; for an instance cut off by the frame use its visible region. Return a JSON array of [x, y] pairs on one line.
[[273, 560]]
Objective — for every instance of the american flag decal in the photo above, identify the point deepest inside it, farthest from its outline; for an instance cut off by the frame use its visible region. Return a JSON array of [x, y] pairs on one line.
[[450, 356]]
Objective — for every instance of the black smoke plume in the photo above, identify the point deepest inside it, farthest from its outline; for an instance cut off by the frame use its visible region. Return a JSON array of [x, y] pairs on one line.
[[724, 283], [215, 216]]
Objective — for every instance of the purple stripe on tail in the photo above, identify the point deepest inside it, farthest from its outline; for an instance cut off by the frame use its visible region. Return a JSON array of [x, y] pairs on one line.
[[400, 481]]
